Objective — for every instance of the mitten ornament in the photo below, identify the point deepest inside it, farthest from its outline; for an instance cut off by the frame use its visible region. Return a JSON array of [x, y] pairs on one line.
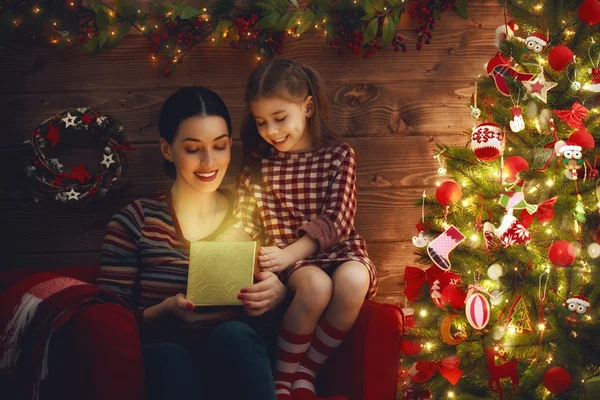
[[439, 249], [517, 124]]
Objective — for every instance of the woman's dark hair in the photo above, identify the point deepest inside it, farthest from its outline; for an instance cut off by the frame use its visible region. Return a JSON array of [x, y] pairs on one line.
[[291, 81], [189, 101]]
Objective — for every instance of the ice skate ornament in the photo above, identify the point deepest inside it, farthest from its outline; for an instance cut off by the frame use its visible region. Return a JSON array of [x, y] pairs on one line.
[[499, 69], [439, 249]]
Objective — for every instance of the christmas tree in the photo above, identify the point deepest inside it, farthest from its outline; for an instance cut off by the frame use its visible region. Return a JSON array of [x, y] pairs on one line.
[[505, 298]]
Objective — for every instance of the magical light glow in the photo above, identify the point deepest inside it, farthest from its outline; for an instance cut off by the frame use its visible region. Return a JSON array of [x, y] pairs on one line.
[[423, 313]]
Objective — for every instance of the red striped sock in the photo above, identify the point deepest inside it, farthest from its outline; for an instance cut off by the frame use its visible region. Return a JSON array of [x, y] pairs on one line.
[[327, 338], [290, 350]]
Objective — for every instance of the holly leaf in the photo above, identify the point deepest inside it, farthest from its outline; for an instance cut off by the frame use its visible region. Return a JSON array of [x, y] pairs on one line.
[[296, 15], [367, 6], [102, 21], [378, 5], [461, 8], [370, 32], [221, 8], [114, 40], [102, 37], [283, 22], [295, 3], [393, 3], [189, 12], [269, 20], [396, 14], [388, 31], [97, 7], [368, 17], [265, 6], [322, 4], [222, 27], [309, 19]]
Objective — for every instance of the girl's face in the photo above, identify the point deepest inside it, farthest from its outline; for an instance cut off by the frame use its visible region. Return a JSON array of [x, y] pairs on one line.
[[283, 123], [201, 151]]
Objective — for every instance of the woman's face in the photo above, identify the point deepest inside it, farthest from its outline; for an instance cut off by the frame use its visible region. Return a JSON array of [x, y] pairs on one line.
[[283, 124], [201, 151]]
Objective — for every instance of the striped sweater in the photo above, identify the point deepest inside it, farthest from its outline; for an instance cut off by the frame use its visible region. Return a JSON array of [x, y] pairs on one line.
[[145, 257]]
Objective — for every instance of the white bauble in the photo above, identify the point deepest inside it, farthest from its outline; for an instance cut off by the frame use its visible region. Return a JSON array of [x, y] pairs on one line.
[[594, 250], [496, 297], [498, 333], [494, 271]]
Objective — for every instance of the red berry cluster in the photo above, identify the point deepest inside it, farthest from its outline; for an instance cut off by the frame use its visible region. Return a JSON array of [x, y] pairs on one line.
[[249, 37], [423, 11], [354, 38]]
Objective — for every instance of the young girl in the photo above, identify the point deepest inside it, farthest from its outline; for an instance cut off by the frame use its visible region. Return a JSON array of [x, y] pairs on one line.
[[297, 192]]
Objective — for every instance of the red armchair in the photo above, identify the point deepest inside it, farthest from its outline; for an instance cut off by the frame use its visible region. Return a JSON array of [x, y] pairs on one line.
[[364, 367]]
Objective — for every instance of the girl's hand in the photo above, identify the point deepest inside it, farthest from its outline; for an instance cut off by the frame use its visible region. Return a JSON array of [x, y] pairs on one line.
[[274, 259], [183, 309], [265, 295]]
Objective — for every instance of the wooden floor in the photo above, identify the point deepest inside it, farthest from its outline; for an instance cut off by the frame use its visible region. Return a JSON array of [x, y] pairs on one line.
[[393, 108]]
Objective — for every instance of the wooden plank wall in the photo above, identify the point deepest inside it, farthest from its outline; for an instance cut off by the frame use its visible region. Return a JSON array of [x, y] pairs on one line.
[[392, 107]]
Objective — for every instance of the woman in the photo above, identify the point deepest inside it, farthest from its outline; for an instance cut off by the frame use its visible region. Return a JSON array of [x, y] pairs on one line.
[[145, 260]]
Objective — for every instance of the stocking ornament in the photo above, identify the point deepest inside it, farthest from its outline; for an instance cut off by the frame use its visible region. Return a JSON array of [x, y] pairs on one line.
[[439, 249], [517, 124]]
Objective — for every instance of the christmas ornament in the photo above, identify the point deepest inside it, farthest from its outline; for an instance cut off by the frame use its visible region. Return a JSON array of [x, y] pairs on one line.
[[572, 158], [577, 306], [414, 391], [477, 310], [562, 253], [505, 32], [518, 316], [497, 372], [423, 370], [594, 250], [46, 172], [539, 87], [499, 68], [448, 193], [517, 124], [475, 112], [409, 347], [589, 11], [494, 272], [439, 249], [498, 332], [422, 239], [452, 296], [487, 141], [595, 85], [559, 57], [452, 334], [513, 165], [537, 42], [557, 380], [579, 210], [438, 280], [544, 151], [573, 116], [496, 297]]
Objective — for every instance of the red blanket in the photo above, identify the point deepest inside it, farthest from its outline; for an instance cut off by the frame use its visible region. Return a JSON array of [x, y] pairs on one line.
[[30, 312]]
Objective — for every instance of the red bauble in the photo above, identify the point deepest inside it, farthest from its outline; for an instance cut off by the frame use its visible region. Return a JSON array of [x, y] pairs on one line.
[[582, 138], [453, 296], [448, 192], [410, 348], [559, 57], [513, 165], [589, 12], [562, 253], [557, 380]]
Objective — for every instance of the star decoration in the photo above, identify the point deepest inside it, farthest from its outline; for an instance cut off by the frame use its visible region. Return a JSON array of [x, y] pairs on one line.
[[53, 135], [108, 159], [80, 173], [73, 195], [69, 120], [539, 87]]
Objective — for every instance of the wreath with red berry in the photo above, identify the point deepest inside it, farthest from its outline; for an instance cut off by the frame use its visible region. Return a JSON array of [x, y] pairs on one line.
[[70, 130]]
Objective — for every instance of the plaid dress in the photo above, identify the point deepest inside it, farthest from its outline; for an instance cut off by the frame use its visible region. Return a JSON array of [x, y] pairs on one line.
[[311, 193]]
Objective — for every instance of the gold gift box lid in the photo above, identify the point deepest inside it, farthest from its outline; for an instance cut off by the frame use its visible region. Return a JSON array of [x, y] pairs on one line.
[[218, 270]]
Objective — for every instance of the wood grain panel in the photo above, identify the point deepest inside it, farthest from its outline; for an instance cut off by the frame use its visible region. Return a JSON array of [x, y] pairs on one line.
[[456, 54], [357, 109], [383, 162]]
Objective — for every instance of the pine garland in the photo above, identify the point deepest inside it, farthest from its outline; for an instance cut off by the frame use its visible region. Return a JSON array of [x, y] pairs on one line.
[[360, 27]]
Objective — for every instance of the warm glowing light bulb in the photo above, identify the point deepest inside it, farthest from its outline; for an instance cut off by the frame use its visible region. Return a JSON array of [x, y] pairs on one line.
[[428, 346], [541, 326], [423, 313], [550, 182], [512, 330], [450, 394]]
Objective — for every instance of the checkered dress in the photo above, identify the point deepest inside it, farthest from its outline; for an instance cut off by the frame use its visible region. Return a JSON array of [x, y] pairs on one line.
[[310, 193]]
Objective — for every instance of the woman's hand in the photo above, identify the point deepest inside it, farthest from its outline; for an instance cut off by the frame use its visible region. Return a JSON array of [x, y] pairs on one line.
[[183, 309], [263, 296], [274, 259]]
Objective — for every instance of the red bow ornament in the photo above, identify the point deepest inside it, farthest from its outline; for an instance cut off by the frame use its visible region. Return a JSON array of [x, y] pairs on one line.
[[544, 213], [422, 371], [573, 116]]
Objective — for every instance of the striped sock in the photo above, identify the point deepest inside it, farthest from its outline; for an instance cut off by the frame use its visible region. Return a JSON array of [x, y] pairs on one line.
[[327, 338], [290, 350]]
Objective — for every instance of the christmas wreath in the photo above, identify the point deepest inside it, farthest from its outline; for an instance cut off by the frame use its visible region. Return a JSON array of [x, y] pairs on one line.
[[71, 129], [172, 30]]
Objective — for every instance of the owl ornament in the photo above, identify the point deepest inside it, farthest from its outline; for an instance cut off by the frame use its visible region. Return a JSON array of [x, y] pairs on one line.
[[537, 42], [572, 158], [576, 307]]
